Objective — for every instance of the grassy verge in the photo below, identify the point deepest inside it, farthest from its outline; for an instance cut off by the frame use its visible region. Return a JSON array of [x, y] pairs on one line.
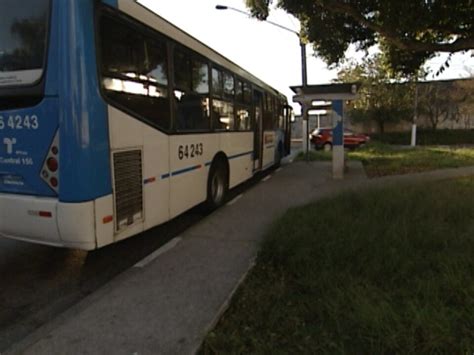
[[381, 160], [382, 272]]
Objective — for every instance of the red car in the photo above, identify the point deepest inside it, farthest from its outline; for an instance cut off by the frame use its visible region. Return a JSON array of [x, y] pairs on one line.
[[321, 138]]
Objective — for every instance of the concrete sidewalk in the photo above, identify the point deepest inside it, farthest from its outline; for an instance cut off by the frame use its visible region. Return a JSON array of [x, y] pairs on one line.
[[167, 303]]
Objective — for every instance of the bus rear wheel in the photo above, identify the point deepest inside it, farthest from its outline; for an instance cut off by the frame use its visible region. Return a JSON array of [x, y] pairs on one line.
[[217, 185]]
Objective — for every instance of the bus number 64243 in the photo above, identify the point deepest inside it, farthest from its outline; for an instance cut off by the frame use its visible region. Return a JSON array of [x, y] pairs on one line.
[[190, 151]]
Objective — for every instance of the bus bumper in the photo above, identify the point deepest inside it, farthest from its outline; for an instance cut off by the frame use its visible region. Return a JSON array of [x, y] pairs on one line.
[[47, 221]]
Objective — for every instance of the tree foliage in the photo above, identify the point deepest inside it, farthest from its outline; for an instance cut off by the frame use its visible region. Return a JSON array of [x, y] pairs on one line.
[[408, 31], [383, 98]]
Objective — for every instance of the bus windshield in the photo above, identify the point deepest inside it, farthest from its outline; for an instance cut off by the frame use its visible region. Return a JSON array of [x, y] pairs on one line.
[[23, 32]]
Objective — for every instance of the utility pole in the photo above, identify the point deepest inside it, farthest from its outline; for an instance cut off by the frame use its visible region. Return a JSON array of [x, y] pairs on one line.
[[415, 116]]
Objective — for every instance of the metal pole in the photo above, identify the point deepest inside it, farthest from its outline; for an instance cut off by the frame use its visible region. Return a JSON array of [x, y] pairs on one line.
[[304, 70], [307, 137], [415, 116]]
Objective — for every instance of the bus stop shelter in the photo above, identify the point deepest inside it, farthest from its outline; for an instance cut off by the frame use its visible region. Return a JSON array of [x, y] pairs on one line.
[[308, 97]]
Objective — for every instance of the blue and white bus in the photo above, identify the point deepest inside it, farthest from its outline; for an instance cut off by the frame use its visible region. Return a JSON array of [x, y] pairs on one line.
[[112, 121]]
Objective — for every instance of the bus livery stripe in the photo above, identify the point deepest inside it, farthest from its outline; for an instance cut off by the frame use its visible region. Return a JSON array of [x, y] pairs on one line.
[[181, 171], [149, 180], [240, 155], [196, 167], [186, 170]]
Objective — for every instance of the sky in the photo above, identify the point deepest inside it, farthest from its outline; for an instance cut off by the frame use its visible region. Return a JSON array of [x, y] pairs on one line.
[[268, 52]]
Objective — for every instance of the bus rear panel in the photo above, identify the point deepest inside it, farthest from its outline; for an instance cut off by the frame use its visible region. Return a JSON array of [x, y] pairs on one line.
[[54, 153]]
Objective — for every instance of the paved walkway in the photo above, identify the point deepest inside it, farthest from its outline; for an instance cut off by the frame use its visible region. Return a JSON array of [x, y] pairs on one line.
[[167, 303]]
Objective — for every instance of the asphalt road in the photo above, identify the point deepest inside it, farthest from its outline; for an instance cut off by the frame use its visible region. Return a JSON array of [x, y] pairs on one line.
[[38, 283]]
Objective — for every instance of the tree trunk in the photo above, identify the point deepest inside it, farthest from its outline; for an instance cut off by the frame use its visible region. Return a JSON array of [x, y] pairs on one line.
[[381, 127]]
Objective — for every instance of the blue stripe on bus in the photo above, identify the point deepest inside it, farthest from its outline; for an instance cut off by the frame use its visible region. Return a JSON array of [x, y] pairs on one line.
[[195, 167], [240, 155], [186, 170], [181, 171]]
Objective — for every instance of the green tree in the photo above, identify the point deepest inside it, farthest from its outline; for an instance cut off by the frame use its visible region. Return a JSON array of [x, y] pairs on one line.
[[383, 98], [408, 31]]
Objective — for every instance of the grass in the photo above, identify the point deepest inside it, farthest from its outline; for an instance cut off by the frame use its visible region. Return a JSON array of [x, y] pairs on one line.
[[381, 159], [381, 272]]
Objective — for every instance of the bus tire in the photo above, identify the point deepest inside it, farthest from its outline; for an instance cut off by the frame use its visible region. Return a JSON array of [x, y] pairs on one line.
[[217, 185]]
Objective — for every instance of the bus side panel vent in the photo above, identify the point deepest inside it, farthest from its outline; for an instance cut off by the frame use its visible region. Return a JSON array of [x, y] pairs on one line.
[[128, 188]]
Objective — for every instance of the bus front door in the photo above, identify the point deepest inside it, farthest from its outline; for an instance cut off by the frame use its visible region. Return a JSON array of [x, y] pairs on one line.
[[257, 138]]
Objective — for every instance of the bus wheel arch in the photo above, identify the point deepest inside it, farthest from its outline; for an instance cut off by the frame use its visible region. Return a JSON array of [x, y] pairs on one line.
[[217, 181]]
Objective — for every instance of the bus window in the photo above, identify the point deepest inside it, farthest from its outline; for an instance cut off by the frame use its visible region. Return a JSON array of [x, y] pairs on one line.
[[23, 36], [223, 113], [248, 93], [157, 63], [243, 119], [134, 72], [228, 86], [200, 77], [217, 83], [182, 75], [192, 112], [268, 113], [190, 92], [239, 91]]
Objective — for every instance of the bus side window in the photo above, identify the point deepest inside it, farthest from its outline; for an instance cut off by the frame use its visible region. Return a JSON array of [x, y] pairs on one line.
[[134, 71], [223, 100], [223, 112], [243, 118], [268, 121], [217, 83], [229, 89], [248, 94], [157, 73], [200, 77], [243, 107], [191, 90]]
